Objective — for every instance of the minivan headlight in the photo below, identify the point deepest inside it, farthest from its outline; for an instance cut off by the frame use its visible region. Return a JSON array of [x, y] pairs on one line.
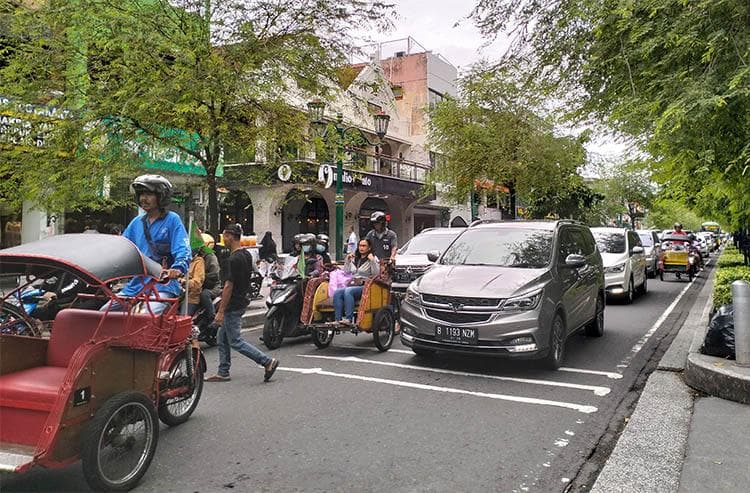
[[412, 296], [615, 268], [524, 302]]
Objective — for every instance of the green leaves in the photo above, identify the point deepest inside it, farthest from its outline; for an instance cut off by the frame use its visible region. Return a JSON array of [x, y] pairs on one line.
[[671, 73]]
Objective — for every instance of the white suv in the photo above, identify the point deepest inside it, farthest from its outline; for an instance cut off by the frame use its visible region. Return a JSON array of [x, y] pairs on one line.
[[625, 266]]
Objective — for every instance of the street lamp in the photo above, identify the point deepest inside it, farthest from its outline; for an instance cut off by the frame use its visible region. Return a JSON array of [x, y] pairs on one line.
[[316, 109]]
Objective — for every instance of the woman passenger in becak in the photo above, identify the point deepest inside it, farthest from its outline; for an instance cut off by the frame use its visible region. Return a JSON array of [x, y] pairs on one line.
[[362, 265]]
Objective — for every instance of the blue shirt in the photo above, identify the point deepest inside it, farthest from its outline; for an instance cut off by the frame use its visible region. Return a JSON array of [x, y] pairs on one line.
[[169, 242]]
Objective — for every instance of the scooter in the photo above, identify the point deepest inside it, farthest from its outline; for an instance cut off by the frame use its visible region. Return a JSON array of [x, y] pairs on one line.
[[284, 304]]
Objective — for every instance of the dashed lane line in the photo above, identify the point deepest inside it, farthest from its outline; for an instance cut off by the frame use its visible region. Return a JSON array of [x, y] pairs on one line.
[[598, 390], [582, 408], [644, 339], [609, 374]]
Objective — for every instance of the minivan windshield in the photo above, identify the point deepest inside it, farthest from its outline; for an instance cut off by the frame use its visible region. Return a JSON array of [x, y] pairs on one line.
[[610, 242], [506, 247], [426, 243], [647, 239]]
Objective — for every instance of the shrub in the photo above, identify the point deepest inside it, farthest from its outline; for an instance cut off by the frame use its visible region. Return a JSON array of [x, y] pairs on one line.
[[731, 258], [728, 272]]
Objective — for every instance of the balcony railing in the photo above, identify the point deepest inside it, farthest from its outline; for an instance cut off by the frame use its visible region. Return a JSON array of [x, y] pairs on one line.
[[385, 165]]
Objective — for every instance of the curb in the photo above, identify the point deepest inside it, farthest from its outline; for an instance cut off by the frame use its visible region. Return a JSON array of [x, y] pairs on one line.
[[711, 375], [650, 451]]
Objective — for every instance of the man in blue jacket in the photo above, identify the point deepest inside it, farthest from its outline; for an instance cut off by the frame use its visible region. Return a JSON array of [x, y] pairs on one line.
[[160, 235]]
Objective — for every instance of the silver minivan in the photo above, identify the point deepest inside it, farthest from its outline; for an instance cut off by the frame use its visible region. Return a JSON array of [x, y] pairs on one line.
[[514, 289]]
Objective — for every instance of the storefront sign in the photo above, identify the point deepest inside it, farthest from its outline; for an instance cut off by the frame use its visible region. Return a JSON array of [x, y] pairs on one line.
[[326, 175]]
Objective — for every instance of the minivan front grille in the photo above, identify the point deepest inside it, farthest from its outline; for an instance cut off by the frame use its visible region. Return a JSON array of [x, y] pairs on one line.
[[458, 317], [460, 300]]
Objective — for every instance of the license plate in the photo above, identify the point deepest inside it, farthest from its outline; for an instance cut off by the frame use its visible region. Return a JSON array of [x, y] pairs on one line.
[[456, 335]]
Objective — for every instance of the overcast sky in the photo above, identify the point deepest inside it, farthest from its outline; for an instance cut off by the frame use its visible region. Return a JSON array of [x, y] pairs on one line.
[[441, 26]]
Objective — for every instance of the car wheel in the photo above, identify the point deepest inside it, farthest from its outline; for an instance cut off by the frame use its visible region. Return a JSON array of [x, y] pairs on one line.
[[630, 293], [595, 328], [556, 353], [644, 287]]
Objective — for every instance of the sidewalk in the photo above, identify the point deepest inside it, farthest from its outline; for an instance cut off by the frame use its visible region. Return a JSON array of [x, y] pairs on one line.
[[678, 439]]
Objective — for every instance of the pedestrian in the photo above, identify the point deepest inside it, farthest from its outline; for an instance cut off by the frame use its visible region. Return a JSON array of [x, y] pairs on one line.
[[267, 250], [234, 300], [160, 235], [351, 244]]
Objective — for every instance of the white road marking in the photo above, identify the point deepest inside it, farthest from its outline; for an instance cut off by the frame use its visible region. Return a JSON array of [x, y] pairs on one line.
[[600, 391], [526, 400], [608, 374], [402, 351], [643, 340]]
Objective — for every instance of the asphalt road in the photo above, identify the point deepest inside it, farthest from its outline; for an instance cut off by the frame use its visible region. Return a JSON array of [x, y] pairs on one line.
[[349, 418]]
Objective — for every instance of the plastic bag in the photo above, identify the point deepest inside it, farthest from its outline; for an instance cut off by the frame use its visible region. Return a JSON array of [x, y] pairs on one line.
[[337, 279], [720, 336]]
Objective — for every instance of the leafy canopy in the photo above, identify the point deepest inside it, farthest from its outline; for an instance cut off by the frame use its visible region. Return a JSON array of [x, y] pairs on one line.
[[492, 134], [202, 76], [673, 74]]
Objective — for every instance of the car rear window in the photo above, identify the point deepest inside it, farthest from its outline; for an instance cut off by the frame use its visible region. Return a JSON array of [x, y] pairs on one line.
[[610, 242], [647, 239], [506, 247], [426, 243]]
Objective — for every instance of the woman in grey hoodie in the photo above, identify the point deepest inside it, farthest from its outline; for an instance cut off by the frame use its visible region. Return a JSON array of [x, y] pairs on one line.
[[362, 265]]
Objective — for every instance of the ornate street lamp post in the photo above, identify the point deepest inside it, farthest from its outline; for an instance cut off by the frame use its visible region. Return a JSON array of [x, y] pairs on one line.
[[315, 110]]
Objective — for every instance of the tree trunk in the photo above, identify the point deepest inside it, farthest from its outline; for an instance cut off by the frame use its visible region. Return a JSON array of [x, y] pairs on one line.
[[213, 203]]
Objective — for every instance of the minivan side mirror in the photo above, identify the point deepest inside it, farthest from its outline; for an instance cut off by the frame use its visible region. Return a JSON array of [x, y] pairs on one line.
[[575, 261], [433, 256], [637, 250]]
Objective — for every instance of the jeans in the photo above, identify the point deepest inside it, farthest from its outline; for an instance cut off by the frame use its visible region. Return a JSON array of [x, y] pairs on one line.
[[344, 300], [208, 305], [157, 307], [229, 338]]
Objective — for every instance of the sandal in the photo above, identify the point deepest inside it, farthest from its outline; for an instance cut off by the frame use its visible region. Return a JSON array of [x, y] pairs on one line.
[[270, 369], [218, 378]]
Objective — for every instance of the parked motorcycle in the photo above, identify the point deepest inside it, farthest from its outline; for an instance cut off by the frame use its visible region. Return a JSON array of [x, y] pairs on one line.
[[284, 304]]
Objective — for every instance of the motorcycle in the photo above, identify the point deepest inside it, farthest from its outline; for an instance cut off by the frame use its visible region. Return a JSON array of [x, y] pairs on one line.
[[284, 304], [206, 329]]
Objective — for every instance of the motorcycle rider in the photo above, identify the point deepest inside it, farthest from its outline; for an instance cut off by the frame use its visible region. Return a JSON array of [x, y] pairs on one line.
[[322, 248], [678, 230], [211, 285], [160, 235], [310, 263], [383, 240]]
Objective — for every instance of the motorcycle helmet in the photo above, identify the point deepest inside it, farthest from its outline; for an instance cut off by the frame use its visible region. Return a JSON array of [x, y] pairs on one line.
[[156, 184], [322, 243], [208, 240], [306, 241], [377, 217], [677, 226]]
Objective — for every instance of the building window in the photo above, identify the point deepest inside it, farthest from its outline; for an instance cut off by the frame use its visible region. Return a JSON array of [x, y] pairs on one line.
[[434, 98]]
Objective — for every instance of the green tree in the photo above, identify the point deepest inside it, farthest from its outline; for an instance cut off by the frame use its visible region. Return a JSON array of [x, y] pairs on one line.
[[202, 76], [492, 134], [674, 74], [626, 188]]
